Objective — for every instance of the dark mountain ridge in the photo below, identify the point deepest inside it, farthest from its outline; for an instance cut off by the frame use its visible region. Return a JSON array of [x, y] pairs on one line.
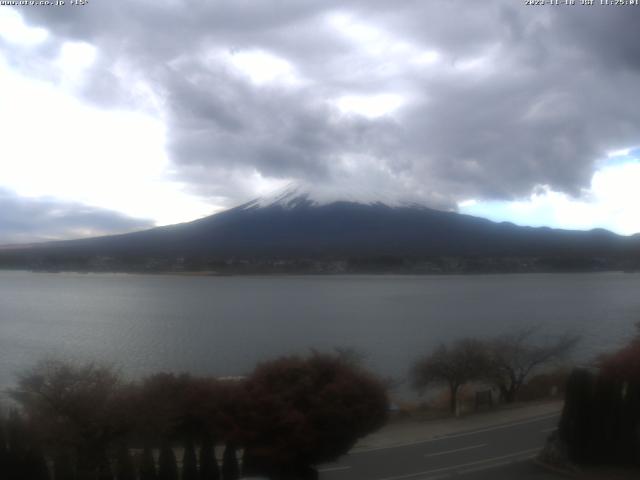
[[299, 228]]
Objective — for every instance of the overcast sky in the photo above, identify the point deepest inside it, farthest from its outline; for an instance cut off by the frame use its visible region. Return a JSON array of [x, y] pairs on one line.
[[116, 116]]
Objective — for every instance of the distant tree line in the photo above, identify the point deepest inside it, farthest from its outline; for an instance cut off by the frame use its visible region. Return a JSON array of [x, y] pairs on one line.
[[54, 260], [81, 422]]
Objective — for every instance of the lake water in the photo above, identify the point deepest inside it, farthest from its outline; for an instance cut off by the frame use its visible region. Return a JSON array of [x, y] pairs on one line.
[[224, 325]]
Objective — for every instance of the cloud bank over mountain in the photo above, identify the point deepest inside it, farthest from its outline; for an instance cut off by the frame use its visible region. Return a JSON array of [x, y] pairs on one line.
[[40, 219], [448, 100]]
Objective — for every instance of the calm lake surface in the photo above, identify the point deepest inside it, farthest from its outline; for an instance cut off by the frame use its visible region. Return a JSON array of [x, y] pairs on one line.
[[224, 325]]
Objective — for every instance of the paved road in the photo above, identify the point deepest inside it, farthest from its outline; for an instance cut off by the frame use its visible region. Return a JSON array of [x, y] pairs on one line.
[[498, 452]]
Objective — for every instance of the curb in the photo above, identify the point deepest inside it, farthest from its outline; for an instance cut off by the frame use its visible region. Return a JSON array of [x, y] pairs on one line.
[[566, 472]]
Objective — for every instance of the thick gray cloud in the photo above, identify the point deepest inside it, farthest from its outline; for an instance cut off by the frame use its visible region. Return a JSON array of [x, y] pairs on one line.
[[40, 219], [517, 97]]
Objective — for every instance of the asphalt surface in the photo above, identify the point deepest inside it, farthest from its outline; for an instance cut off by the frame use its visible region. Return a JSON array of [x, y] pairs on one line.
[[503, 451]]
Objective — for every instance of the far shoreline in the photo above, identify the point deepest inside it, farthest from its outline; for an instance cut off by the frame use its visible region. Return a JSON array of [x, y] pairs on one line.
[[216, 274]]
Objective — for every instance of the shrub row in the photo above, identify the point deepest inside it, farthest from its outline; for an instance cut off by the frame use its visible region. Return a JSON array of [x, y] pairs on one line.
[[287, 416]]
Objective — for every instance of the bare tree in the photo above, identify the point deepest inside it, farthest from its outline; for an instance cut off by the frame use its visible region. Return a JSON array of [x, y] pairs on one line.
[[514, 357], [455, 365], [351, 355]]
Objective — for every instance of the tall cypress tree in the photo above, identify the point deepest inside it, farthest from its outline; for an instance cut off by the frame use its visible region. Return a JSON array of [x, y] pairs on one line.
[[103, 467], [63, 466], [4, 451], [230, 469], [189, 462], [631, 440], [35, 465], [250, 465], [575, 423], [16, 445], [147, 465], [124, 464], [604, 426], [209, 469], [16, 434], [167, 465]]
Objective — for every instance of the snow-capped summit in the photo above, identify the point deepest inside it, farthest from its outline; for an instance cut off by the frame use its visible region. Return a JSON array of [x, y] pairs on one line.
[[306, 194], [305, 221]]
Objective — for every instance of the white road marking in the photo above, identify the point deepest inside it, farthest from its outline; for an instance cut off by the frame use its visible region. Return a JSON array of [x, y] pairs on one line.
[[332, 469], [456, 435], [456, 450], [488, 463], [527, 456], [497, 427]]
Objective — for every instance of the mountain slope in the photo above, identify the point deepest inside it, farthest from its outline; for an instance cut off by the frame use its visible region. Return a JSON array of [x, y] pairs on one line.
[[297, 223]]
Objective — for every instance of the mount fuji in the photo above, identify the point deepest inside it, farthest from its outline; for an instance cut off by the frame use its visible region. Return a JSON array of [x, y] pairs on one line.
[[319, 224]]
